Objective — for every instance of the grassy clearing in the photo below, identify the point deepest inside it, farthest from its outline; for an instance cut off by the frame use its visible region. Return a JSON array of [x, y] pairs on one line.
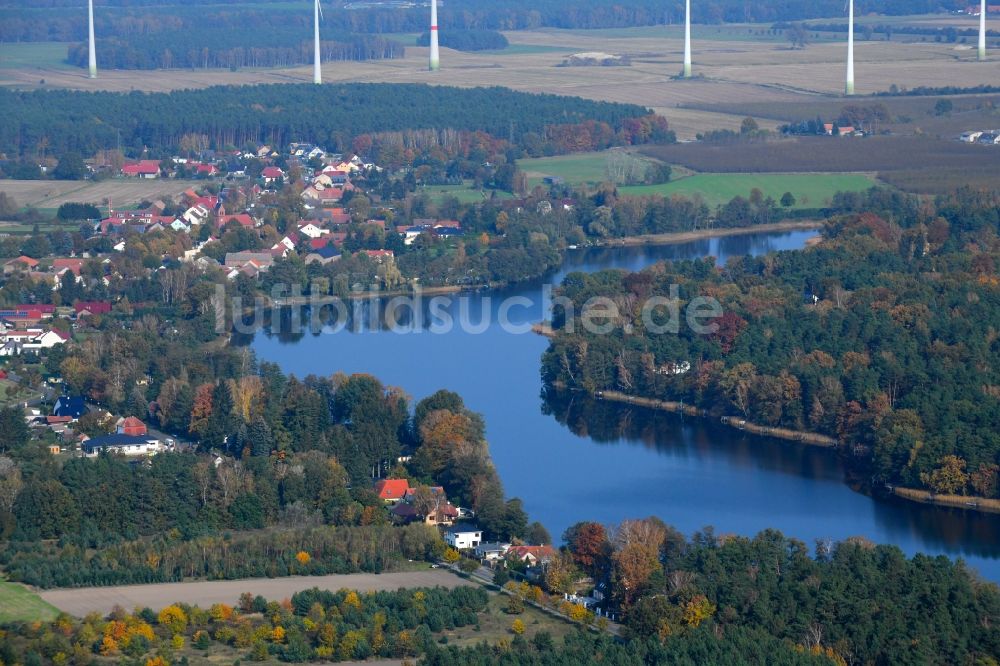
[[494, 625], [20, 395], [810, 190], [19, 604], [34, 55], [464, 193], [577, 169]]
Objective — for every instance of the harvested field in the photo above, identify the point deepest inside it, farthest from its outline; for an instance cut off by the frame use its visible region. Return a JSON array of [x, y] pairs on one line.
[[205, 593], [123, 193], [739, 65], [831, 154]]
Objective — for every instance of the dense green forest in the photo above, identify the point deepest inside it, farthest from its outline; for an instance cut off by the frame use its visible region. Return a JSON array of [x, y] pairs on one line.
[[279, 114], [43, 23], [882, 336]]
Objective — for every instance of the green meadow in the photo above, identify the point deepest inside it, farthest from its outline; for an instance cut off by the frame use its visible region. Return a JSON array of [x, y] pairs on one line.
[[19, 604]]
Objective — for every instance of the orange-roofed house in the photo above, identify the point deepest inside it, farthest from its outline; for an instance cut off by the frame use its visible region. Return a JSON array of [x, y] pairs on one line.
[[392, 490], [132, 426], [532, 555], [21, 263]]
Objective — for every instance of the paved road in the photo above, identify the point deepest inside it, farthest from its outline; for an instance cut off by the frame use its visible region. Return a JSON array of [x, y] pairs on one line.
[[80, 601]]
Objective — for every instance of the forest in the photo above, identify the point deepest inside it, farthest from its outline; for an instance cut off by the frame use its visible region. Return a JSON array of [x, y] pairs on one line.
[[467, 40], [881, 336], [279, 114], [41, 23], [708, 599]]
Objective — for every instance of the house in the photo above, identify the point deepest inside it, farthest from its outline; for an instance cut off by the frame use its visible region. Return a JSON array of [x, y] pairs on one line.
[[242, 219], [46, 340], [463, 537], [317, 193], [71, 407], [323, 255], [124, 445], [88, 308], [132, 427], [21, 263], [310, 230], [442, 514], [971, 137], [272, 174], [60, 266], [391, 490], [379, 255], [240, 259], [846, 131], [531, 555], [142, 169], [491, 551]]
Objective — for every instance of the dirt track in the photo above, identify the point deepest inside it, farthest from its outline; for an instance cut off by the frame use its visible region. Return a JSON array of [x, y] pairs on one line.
[[81, 601]]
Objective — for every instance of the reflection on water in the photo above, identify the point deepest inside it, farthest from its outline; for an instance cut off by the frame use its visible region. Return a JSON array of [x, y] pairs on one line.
[[570, 458], [699, 442]]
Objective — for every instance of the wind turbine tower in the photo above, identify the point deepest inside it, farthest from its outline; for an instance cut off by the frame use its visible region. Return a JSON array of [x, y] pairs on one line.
[[849, 89], [982, 30], [687, 39], [435, 61], [93, 47], [317, 69]]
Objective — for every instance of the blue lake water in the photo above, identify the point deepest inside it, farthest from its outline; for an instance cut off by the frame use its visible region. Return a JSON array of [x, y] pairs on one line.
[[571, 459]]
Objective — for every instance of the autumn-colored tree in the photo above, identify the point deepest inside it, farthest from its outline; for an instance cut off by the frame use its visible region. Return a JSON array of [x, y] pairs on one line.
[[697, 610], [727, 329], [984, 479], [201, 410], [302, 557], [637, 556], [949, 478], [174, 618], [247, 395], [561, 573], [451, 556], [517, 627], [588, 543]]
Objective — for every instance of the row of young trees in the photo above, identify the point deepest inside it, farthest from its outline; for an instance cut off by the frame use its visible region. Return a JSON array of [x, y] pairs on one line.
[[880, 337]]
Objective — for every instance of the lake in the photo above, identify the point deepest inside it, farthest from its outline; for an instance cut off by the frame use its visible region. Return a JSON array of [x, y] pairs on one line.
[[571, 458]]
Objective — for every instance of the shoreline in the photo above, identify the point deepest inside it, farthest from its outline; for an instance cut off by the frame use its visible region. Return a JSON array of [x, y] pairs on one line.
[[675, 237], [965, 502], [735, 422]]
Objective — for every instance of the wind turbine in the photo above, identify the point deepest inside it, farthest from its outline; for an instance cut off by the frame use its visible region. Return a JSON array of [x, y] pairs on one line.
[[317, 69], [982, 30], [92, 61], [849, 88], [435, 59], [687, 39]]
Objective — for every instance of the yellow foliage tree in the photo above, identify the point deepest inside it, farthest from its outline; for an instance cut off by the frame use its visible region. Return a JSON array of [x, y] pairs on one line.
[[517, 627], [278, 634], [451, 556], [698, 610], [109, 646], [174, 618], [302, 557], [352, 600], [221, 612], [157, 661]]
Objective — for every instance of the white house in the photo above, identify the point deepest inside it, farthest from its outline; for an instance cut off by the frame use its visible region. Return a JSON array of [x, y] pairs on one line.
[[463, 538], [491, 551], [178, 225], [122, 445], [312, 231]]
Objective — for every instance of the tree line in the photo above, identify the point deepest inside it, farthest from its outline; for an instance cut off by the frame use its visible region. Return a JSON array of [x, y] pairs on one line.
[[68, 121]]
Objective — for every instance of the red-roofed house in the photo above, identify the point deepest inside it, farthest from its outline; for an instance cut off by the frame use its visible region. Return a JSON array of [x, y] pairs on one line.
[[142, 169], [532, 555], [380, 255], [71, 264], [392, 490], [86, 308], [132, 426], [272, 174], [21, 263]]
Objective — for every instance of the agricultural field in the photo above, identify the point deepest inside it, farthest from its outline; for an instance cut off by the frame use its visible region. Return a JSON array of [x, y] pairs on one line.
[[50, 194], [578, 169], [811, 190], [19, 604], [31, 55], [735, 66]]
